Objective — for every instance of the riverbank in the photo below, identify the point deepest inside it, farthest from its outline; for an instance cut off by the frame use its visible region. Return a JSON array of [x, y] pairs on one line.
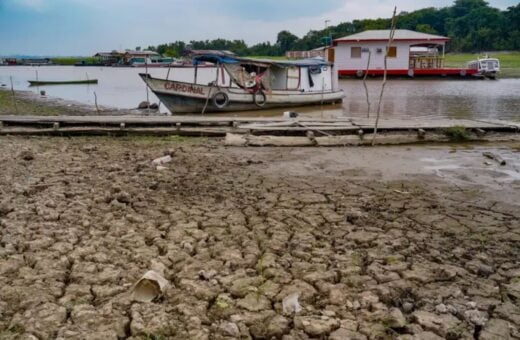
[[408, 243], [29, 103]]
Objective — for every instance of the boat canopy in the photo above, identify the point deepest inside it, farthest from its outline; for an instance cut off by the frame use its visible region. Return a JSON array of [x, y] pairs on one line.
[[224, 57]]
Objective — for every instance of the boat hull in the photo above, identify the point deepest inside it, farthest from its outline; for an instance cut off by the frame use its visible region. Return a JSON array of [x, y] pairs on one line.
[[181, 97], [66, 82]]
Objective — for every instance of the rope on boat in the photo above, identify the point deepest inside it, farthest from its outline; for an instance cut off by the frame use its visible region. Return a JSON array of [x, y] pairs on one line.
[[210, 89]]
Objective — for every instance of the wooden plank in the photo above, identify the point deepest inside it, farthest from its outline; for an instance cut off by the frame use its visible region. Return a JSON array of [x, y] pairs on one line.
[[294, 123], [147, 119], [426, 124], [258, 124], [299, 128], [98, 131]]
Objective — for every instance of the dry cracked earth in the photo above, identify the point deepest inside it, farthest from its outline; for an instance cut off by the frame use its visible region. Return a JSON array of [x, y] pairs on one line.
[[82, 219]]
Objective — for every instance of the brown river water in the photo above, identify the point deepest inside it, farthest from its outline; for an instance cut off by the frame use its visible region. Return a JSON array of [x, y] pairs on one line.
[[433, 98]]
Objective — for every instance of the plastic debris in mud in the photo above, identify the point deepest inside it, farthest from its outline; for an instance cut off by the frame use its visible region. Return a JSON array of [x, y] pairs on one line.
[[151, 285], [162, 160], [290, 304]]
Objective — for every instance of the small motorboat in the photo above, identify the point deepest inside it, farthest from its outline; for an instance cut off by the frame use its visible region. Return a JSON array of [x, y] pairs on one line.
[[61, 82], [242, 84], [486, 67]]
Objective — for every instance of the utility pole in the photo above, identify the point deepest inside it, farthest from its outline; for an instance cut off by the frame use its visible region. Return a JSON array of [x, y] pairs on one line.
[[329, 36]]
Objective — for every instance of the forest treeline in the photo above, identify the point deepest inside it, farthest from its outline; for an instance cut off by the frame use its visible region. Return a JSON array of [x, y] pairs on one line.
[[473, 26]]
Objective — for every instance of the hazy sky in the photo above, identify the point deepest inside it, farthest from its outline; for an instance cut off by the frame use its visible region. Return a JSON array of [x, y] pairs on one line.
[[83, 27]]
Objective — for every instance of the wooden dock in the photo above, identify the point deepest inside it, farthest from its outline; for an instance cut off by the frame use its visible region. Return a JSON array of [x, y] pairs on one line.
[[326, 130]]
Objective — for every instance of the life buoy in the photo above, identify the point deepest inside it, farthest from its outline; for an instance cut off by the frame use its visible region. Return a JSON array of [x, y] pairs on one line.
[[259, 98], [410, 73], [220, 100], [359, 73], [462, 73]]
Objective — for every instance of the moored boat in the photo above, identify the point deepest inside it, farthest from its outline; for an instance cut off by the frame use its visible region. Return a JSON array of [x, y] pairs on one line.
[[61, 82], [243, 84], [486, 67]]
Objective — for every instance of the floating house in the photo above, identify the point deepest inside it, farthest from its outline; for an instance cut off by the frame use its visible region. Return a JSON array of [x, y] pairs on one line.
[[109, 58], [411, 54], [126, 57]]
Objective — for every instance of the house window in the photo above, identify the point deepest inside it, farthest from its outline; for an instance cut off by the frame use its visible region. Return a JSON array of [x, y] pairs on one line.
[[392, 52], [355, 52]]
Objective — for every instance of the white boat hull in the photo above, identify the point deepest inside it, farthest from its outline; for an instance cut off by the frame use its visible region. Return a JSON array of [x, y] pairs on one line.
[[181, 97]]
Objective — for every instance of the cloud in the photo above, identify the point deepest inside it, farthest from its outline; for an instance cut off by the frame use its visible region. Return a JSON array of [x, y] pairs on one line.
[[31, 4], [87, 26]]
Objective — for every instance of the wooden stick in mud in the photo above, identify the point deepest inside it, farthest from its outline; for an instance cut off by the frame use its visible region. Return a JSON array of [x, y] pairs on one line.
[[14, 96], [95, 101], [365, 84], [390, 41], [494, 157], [147, 95]]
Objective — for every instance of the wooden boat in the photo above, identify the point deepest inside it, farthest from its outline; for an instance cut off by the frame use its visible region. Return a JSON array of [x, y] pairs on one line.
[[61, 82], [242, 84]]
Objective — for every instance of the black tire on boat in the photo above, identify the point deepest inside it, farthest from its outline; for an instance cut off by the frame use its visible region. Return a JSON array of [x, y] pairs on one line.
[[259, 98], [220, 100]]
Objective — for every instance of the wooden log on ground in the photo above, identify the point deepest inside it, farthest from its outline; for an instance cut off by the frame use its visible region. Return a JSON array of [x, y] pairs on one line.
[[382, 139], [233, 139], [495, 157], [251, 140]]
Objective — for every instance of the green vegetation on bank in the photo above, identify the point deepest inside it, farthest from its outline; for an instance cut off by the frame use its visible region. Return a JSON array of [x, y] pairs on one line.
[[72, 60], [473, 26], [25, 106]]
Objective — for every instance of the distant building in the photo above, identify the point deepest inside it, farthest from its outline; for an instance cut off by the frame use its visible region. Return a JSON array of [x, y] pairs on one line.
[[123, 57], [139, 54], [35, 61], [412, 53], [318, 52]]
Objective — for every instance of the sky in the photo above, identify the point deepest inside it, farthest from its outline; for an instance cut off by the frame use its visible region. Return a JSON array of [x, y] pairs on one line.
[[84, 27]]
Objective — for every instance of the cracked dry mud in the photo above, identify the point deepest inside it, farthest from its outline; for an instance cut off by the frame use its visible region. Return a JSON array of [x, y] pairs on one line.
[[82, 219]]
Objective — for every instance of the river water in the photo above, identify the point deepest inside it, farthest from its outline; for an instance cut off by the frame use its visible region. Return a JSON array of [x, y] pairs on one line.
[[449, 98]]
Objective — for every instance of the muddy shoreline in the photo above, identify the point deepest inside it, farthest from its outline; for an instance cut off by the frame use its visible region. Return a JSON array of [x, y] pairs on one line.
[[30, 103], [382, 243]]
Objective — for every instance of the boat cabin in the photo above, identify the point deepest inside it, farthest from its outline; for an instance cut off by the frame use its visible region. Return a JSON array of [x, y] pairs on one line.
[[485, 67], [307, 75], [412, 53]]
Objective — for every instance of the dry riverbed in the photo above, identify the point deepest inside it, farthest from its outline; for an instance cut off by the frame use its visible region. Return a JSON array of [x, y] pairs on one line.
[[378, 243]]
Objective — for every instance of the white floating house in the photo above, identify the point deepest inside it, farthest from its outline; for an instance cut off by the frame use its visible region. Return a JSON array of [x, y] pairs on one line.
[[411, 54]]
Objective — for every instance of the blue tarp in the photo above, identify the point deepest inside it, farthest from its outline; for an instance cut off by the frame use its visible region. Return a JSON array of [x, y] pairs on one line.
[[228, 59]]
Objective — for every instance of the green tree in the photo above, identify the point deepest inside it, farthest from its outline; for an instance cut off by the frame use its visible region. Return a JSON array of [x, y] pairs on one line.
[[286, 41]]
